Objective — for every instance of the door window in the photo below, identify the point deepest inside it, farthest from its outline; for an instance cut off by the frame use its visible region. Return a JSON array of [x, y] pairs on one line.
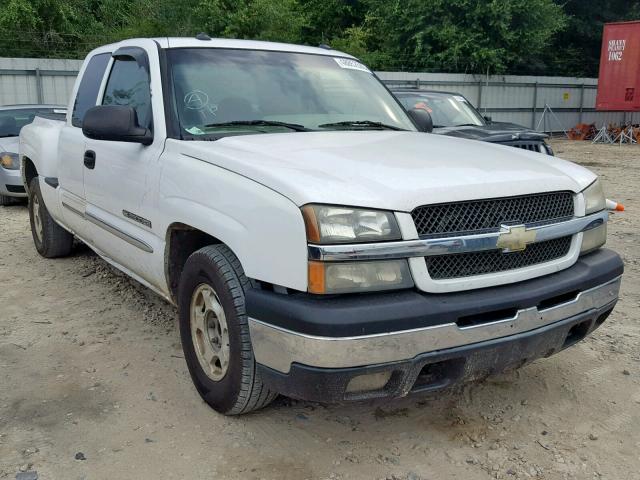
[[128, 85], [89, 87]]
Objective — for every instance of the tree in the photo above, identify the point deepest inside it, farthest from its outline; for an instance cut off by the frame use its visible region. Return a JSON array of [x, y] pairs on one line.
[[330, 19], [460, 35], [544, 37], [281, 20], [39, 27], [576, 50]]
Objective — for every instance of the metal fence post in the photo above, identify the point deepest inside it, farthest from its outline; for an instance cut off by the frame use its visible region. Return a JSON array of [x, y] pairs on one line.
[[535, 106], [581, 103], [39, 91], [479, 94]]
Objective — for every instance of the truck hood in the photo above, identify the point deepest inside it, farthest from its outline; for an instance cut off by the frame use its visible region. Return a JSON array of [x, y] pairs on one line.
[[385, 169], [9, 144]]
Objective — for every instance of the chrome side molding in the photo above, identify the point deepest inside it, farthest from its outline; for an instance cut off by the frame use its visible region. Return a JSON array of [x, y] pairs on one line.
[[111, 229], [449, 245], [119, 233], [72, 209]]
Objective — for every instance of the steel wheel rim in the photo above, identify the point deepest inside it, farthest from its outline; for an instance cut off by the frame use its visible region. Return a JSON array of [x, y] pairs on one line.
[[209, 332], [37, 219]]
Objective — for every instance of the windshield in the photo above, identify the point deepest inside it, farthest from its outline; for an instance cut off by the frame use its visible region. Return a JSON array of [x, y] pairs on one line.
[[446, 110], [11, 121], [225, 91]]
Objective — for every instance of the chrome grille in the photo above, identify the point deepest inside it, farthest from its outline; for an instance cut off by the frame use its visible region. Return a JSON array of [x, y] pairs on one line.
[[466, 218], [532, 147], [479, 263]]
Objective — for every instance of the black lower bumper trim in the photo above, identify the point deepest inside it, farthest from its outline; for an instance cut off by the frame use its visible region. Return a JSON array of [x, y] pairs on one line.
[[366, 314], [436, 370], [15, 189]]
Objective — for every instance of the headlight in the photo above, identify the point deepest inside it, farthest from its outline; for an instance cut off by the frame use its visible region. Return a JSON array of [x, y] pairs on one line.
[[9, 160], [594, 198], [328, 224], [594, 201], [349, 277], [593, 239]]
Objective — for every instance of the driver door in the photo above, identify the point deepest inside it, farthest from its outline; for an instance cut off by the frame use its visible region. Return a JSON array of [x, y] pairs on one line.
[[120, 183]]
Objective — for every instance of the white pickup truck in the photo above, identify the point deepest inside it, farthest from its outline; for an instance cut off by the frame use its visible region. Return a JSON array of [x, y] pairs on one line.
[[318, 243]]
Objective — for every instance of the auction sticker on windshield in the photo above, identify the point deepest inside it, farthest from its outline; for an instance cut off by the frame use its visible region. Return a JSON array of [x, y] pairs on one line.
[[351, 64]]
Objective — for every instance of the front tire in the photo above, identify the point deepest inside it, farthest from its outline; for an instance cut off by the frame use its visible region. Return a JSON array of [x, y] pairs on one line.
[[50, 239], [215, 332]]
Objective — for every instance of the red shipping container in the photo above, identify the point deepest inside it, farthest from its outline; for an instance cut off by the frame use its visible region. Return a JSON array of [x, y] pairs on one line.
[[619, 79]]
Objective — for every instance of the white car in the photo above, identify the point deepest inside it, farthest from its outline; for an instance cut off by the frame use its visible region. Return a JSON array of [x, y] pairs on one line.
[[316, 242], [12, 119]]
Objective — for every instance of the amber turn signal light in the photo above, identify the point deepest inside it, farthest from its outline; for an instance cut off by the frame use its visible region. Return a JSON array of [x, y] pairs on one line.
[[311, 224], [316, 278]]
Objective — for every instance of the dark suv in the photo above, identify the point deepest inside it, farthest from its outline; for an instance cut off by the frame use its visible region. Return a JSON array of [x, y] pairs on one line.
[[454, 115]]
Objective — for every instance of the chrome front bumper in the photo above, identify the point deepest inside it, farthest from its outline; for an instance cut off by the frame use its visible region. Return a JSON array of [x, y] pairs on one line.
[[279, 348]]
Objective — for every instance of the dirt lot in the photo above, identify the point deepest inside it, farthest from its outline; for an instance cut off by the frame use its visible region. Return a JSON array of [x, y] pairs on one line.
[[93, 385]]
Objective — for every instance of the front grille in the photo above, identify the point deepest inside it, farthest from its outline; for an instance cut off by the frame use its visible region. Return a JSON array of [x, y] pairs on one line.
[[461, 265], [476, 216], [532, 147]]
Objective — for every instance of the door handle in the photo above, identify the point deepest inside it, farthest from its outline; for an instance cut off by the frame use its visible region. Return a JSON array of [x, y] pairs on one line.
[[90, 159]]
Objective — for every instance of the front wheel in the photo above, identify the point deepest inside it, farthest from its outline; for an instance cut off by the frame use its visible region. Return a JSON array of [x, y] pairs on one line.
[[215, 333], [50, 239]]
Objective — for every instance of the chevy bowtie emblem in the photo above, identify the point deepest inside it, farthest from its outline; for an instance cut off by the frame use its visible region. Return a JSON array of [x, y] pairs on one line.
[[515, 238]]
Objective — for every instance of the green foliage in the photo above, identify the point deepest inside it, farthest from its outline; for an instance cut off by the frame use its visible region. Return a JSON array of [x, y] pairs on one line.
[[280, 20], [475, 36], [37, 27], [330, 19], [461, 35], [576, 50]]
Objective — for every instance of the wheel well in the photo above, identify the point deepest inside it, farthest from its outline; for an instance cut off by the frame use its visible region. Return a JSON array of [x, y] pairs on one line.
[[182, 241], [30, 171]]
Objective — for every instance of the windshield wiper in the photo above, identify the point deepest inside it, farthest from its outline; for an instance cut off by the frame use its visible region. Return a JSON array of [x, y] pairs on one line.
[[361, 123], [468, 125], [8, 135], [260, 123]]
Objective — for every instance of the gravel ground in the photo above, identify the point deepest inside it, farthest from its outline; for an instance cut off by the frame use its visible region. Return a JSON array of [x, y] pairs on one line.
[[93, 385]]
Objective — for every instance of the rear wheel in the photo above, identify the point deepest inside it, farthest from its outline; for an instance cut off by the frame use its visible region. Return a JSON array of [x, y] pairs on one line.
[[50, 239], [215, 333]]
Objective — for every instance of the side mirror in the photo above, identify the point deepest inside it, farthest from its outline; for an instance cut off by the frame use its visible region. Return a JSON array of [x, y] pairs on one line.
[[487, 119], [116, 123], [422, 119]]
